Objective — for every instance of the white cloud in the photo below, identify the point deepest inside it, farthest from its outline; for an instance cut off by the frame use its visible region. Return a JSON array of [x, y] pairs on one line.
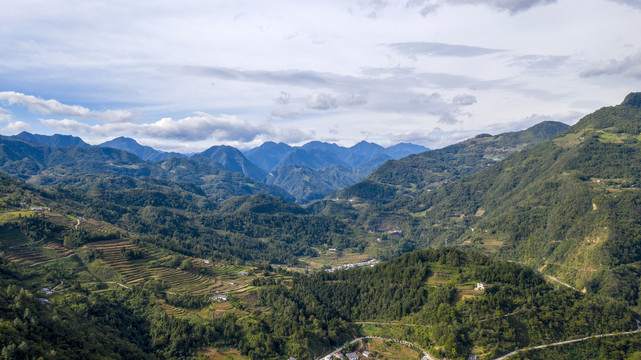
[[12, 126], [629, 67], [633, 3], [54, 107], [464, 100], [426, 7], [201, 126], [16, 127], [355, 98], [415, 49], [284, 98], [5, 115], [321, 101], [285, 114]]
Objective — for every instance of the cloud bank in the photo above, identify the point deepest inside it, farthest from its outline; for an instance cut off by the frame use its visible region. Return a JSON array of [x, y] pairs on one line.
[[53, 107], [415, 49], [199, 127], [629, 67]]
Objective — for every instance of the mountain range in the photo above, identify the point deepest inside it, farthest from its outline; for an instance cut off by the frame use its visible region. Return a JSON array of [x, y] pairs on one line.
[[525, 243], [307, 173]]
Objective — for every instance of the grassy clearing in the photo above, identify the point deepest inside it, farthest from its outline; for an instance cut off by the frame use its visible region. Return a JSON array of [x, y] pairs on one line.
[[382, 349], [222, 354], [439, 277], [12, 215], [491, 245], [466, 294]]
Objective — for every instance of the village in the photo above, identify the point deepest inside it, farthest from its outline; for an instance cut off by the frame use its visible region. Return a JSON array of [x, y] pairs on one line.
[[370, 263]]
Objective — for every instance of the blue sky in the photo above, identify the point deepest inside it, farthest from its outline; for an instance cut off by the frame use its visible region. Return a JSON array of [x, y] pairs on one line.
[[187, 76]]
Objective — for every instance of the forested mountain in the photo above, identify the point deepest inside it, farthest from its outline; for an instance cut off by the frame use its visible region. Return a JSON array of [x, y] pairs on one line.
[[306, 184], [309, 172], [52, 140], [415, 174], [144, 152], [569, 206], [231, 159], [269, 154], [47, 165], [316, 169], [318, 155]]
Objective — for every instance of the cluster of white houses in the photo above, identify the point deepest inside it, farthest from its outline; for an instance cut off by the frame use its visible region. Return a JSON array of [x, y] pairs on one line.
[[371, 262], [349, 356]]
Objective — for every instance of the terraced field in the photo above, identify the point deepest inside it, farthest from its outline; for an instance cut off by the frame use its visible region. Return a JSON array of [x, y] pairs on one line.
[[183, 281], [30, 254], [134, 271], [130, 271], [27, 256], [175, 311]]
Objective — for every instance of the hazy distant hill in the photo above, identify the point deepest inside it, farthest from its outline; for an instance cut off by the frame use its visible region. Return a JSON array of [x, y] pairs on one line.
[[425, 171], [41, 164], [269, 154], [143, 152], [52, 140], [317, 154], [231, 159], [316, 169]]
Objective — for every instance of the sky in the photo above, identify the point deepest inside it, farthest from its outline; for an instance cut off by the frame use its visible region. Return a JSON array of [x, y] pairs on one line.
[[184, 76]]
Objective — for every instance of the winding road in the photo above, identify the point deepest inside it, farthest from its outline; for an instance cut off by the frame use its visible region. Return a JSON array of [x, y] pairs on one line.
[[570, 342], [427, 356]]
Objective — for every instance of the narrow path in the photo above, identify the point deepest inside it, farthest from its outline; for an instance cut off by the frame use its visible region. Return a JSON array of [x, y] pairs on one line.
[[546, 275], [77, 224], [27, 244], [117, 283], [48, 261], [560, 282], [570, 341], [383, 323]]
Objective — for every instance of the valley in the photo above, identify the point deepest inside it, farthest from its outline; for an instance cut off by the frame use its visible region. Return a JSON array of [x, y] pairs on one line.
[[521, 245]]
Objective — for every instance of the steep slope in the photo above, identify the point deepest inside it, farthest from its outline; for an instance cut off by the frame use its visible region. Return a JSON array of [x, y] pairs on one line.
[[417, 173], [307, 184], [363, 151], [317, 168], [144, 152], [216, 182], [268, 155], [313, 159], [230, 159], [52, 140], [570, 206]]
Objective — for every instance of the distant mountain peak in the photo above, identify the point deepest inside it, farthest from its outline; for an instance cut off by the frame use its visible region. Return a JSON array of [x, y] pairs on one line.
[[142, 151], [633, 99], [56, 140]]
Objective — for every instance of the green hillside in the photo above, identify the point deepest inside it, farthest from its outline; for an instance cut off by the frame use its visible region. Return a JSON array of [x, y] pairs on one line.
[[568, 206], [428, 170]]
